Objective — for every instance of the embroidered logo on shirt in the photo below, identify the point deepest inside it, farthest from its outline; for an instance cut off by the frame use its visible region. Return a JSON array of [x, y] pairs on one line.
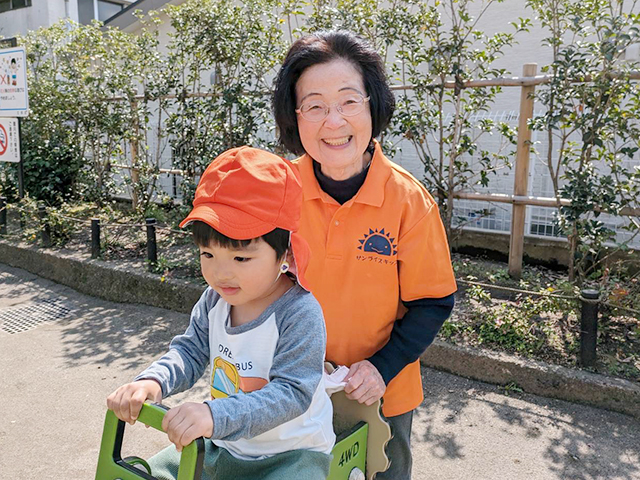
[[226, 381], [379, 242]]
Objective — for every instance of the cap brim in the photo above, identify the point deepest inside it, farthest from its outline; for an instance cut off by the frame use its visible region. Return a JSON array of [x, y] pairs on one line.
[[229, 221]]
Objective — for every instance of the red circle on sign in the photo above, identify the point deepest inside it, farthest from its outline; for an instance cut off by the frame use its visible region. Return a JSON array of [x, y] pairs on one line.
[[4, 140]]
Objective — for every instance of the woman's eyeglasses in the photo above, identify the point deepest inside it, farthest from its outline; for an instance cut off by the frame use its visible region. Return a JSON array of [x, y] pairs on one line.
[[317, 110]]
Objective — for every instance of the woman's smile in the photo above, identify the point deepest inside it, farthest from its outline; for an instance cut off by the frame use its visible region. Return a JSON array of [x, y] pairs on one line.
[[338, 142]]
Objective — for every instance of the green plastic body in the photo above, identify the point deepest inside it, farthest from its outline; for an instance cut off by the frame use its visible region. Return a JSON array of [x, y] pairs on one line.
[[111, 466], [350, 452]]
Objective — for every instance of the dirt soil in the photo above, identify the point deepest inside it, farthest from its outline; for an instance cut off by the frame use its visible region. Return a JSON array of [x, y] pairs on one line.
[[542, 327]]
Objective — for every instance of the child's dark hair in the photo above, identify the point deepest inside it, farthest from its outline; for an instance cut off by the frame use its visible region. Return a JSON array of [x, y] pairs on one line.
[[204, 234]]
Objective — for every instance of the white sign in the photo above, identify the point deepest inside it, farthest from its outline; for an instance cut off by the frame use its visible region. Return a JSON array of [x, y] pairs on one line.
[[14, 100], [9, 140]]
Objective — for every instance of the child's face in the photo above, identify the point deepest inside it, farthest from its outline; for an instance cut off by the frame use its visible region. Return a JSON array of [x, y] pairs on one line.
[[243, 276]]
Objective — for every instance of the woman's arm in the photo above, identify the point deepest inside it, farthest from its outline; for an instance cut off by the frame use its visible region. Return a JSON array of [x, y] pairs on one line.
[[412, 334]]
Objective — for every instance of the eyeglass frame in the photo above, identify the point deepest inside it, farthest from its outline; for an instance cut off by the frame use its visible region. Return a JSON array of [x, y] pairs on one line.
[[338, 108]]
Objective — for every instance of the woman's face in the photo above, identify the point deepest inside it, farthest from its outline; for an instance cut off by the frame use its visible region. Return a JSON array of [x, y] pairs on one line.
[[337, 143]]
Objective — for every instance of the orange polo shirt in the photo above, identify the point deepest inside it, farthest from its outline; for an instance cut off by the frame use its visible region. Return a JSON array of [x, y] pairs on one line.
[[385, 245]]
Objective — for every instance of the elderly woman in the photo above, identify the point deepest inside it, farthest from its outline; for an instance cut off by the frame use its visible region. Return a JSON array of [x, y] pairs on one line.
[[380, 264]]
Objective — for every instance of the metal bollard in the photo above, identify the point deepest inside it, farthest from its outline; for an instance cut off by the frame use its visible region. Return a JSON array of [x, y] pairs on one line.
[[588, 327], [3, 216], [95, 238], [152, 246], [45, 233]]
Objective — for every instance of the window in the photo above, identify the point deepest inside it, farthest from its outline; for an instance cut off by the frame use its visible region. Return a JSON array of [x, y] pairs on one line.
[[6, 5], [88, 9], [85, 11], [107, 10]]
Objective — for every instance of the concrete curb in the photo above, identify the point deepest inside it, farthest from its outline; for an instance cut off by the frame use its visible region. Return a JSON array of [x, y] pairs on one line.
[[536, 377], [105, 280], [124, 284]]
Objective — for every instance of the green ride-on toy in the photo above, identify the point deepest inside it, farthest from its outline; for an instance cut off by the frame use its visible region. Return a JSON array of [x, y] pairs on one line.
[[359, 453]]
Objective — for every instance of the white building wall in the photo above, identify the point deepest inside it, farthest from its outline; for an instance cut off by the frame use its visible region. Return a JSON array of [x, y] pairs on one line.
[[42, 14], [527, 49], [39, 14]]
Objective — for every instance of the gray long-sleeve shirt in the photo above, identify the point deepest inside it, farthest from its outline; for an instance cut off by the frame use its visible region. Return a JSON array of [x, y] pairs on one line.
[[266, 376]]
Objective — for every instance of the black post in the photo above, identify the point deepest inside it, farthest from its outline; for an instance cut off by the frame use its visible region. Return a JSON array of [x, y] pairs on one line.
[[95, 237], [45, 233], [152, 246], [589, 327], [20, 164], [3, 216]]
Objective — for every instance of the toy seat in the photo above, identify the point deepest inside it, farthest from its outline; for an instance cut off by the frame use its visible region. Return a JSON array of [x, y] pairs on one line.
[[362, 434]]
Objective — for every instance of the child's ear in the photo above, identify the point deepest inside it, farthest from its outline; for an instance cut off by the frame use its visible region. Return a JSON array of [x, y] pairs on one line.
[[289, 257]]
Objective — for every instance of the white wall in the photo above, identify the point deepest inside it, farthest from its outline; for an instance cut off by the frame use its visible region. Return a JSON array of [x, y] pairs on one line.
[[496, 19], [40, 14]]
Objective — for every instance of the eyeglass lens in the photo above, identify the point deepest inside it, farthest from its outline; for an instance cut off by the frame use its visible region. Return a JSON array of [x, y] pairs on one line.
[[349, 105]]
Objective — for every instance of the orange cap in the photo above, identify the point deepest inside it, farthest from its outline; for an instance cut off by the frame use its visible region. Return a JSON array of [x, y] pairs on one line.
[[246, 193]]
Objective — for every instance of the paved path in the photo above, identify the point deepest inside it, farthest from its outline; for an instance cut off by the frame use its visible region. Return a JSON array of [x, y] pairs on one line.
[[54, 378]]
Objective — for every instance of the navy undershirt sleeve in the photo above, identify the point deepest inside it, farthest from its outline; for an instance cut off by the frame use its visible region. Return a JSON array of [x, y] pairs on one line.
[[412, 334]]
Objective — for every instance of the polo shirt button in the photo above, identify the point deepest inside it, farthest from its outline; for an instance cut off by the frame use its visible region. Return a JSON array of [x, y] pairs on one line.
[[337, 223]]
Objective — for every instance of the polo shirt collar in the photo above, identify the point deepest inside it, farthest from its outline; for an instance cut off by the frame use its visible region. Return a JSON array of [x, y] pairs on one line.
[[371, 192]]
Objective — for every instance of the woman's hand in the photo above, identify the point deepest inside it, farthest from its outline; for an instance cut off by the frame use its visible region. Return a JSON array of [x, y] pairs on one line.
[[364, 383], [187, 422], [126, 402]]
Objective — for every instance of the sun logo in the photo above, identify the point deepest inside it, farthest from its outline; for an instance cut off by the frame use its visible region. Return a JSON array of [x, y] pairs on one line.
[[378, 242]]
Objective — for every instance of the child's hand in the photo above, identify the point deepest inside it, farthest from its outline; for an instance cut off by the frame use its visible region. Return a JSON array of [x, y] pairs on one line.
[[187, 422], [126, 402]]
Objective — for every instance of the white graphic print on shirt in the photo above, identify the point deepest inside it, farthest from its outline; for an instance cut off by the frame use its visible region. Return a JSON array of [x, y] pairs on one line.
[[240, 363]]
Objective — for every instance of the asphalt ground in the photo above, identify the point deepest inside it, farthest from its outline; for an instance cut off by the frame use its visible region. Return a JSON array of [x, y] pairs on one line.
[[55, 376]]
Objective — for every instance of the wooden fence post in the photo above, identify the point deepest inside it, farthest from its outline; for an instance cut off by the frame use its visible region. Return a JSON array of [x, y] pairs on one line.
[[516, 244]]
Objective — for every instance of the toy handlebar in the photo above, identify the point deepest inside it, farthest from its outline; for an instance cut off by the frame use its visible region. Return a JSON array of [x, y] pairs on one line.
[[111, 466]]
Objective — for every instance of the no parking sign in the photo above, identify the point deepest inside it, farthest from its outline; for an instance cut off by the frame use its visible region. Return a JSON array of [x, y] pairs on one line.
[[9, 140]]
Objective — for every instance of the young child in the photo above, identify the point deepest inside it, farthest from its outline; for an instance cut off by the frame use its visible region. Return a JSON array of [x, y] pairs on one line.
[[259, 330]]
